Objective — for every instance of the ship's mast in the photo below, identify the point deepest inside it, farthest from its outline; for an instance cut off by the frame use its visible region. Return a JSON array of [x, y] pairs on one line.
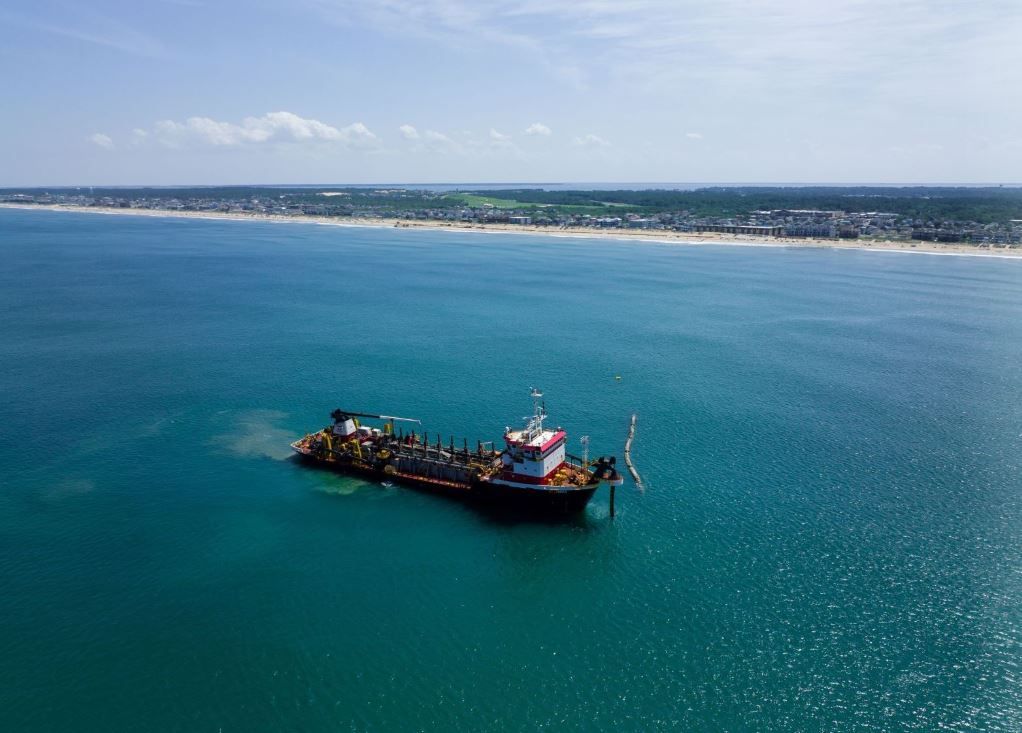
[[534, 424]]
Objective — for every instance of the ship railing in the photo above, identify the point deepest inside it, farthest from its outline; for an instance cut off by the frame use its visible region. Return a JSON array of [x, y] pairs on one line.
[[576, 462], [430, 451]]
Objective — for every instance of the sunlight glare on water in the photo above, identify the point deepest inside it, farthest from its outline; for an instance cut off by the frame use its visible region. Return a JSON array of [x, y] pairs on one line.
[[829, 537]]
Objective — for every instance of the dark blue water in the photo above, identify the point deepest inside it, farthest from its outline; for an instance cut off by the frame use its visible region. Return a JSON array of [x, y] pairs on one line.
[[829, 538]]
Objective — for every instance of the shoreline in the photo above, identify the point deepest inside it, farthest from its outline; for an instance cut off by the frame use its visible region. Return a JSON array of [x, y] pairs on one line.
[[637, 235]]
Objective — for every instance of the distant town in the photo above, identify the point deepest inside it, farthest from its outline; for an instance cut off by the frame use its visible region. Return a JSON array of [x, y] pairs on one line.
[[990, 217]]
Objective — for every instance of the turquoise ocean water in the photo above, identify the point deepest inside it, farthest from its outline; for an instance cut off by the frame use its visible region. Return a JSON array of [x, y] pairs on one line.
[[830, 538]]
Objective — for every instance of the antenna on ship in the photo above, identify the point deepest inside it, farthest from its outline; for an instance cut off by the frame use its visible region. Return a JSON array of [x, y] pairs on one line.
[[534, 424], [537, 403]]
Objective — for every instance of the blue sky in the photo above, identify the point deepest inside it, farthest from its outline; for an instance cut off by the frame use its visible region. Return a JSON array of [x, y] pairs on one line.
[[318, 91]]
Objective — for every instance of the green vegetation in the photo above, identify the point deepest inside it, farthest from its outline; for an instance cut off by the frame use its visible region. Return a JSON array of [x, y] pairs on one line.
[[989, 205], [513, 200], [983, 205], [476, 201]]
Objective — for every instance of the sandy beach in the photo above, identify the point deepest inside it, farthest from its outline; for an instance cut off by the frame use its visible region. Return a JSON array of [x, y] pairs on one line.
[[638, 235]]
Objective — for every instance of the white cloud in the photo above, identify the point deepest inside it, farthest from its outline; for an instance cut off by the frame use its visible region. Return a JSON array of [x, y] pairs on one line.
[[436, 142], [271, 127], [537, 128], [499, 139], [437, 137], [358, 135], [102, 140], [591, 141], [408, 132], [694, 135]]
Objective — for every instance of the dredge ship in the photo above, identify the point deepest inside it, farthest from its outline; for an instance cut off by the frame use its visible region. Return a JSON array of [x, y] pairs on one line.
[[533, 471]]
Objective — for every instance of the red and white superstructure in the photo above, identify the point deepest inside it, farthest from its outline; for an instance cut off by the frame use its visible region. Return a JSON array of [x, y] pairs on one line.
[[535, 457]]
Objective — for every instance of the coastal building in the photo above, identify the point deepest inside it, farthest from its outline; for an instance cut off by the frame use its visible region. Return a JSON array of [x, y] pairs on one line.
[[519, 220], [810, 230], [759, 230], [813, 213]]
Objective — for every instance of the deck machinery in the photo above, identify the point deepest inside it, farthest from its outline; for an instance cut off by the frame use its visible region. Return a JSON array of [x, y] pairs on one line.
[[532, 471]]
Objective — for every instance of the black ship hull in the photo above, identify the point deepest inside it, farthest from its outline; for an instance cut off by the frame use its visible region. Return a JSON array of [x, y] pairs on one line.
[[538, 502]]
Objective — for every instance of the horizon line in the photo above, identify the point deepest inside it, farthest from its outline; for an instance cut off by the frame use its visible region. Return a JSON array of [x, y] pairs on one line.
[[836, 184]]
